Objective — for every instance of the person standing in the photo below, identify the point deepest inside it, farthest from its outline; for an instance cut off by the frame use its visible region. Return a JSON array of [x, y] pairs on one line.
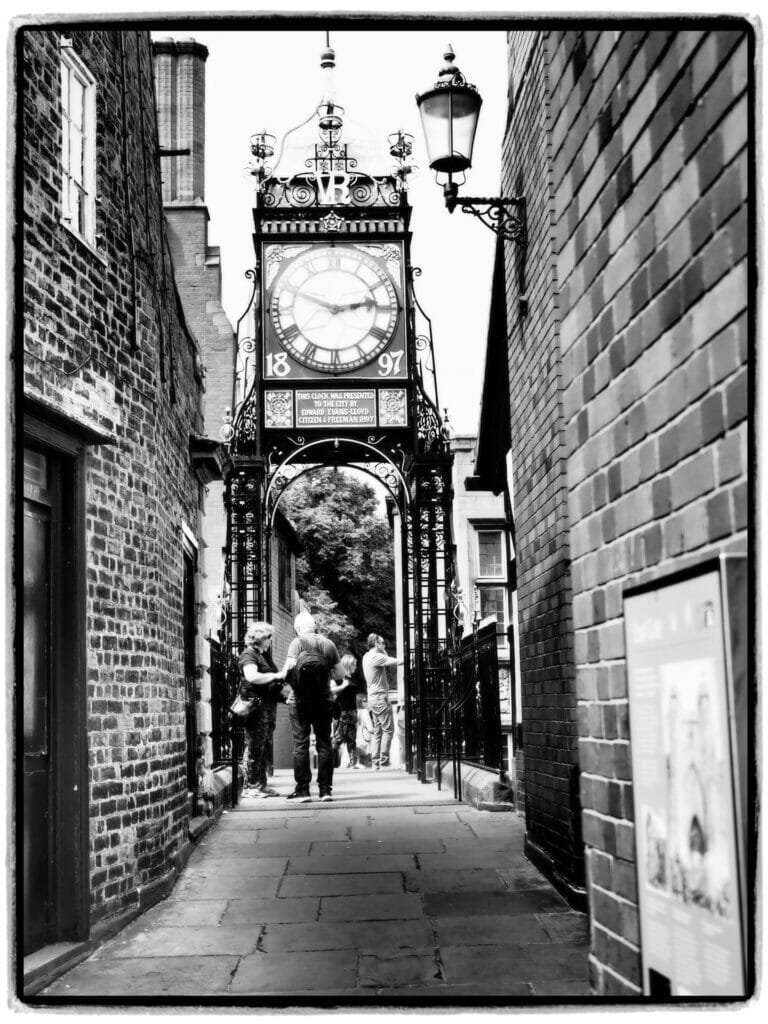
[[257, 674], [345, 693], [376, 661], [312, 660]]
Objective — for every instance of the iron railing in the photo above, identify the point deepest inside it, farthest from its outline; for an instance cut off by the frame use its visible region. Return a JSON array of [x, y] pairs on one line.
[[226, 730], [458, 706], [477, 718]]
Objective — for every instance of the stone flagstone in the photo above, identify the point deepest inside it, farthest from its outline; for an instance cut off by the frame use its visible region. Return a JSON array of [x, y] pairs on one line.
[[412, 902]]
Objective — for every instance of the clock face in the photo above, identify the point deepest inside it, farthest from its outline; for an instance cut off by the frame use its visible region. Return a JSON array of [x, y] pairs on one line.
[[333, 308]]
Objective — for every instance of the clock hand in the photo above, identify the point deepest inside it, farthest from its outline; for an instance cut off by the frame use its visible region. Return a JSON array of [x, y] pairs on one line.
[[334, 308], [368, 302]]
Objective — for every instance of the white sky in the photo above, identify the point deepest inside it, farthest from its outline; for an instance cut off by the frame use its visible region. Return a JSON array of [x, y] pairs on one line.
[[272, 80]]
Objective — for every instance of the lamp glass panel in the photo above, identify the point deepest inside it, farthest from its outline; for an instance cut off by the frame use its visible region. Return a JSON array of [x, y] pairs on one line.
[[466, 110], [435, 119]]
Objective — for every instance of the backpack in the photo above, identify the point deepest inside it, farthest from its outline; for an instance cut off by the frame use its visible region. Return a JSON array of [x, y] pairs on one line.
[[310, 675]]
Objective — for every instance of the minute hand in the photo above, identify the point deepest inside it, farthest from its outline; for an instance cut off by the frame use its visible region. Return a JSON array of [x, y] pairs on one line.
[[333, 306]]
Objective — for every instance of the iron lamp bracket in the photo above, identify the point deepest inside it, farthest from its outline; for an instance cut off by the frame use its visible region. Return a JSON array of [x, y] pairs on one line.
[[504, 216]]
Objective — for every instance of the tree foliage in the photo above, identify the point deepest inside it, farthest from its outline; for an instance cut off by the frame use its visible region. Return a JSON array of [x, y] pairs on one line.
[[345, 573]]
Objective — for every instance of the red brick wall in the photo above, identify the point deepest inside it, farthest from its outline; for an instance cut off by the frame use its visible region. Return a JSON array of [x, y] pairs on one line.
[[78, 359], [649, 168], [550, 754]]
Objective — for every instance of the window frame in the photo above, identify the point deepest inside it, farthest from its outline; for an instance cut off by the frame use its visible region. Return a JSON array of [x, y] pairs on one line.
[[503, 573], [500, 582], [72, 67]]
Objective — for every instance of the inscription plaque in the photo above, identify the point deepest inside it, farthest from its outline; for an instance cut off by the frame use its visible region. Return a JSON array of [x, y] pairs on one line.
[[352, 408]]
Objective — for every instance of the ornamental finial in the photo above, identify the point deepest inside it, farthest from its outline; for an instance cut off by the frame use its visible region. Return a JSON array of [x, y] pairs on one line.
[[328, 56], [449, 69]]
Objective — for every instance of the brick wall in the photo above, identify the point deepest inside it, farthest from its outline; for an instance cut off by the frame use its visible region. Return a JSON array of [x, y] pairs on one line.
[[550, 746], [180, 98], [649, 170], [81, 310]]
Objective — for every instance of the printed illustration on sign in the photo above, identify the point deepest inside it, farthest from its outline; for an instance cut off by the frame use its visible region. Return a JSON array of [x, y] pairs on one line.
[[688, 855]]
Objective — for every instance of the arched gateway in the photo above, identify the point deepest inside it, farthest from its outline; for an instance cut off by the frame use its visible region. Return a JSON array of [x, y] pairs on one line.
[[333, 369]]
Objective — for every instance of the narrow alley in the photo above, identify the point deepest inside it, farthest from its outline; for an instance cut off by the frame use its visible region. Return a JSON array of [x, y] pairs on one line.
[[395, 891]]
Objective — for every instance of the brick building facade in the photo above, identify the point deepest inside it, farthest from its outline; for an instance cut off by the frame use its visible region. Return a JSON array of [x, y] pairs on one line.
[[113, 493], [180, 96], [548, 760], [485, 573], [628, 383]]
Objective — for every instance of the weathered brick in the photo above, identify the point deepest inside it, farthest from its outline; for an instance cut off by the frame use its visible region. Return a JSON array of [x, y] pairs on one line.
[[146, 392], [740, 506], [661, 315], [692, 478], [729, 461], [719, 515], [662, 502], [736, 399]]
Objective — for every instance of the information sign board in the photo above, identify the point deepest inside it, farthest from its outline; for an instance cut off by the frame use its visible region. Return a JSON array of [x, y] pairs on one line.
[[685, 788]]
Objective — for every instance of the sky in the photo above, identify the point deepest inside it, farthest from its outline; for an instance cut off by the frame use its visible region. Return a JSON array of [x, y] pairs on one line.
[[271, 80]]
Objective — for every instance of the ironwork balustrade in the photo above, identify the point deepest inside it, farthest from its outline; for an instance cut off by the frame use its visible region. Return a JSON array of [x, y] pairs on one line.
[[476, 711]]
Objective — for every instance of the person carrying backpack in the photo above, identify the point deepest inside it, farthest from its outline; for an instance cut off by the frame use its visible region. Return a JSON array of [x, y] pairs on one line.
[[312, 660]]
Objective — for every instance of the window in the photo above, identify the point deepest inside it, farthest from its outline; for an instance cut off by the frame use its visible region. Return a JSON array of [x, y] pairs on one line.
[[491, 575], [78, 153], [490, 554], [492, 602], [284, 576]]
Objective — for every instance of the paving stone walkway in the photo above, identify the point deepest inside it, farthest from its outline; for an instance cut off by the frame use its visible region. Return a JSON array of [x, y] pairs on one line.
[[393, 891]]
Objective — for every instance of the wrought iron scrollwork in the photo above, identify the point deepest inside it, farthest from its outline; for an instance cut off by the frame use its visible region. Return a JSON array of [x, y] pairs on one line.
[[504, 216], [302, 191], [429, 424]]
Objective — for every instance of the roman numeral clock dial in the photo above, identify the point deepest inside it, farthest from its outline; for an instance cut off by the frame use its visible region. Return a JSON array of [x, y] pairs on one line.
[[333, 309]]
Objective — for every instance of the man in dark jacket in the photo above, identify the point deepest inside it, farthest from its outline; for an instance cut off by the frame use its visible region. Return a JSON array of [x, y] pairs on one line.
[[312, 660]]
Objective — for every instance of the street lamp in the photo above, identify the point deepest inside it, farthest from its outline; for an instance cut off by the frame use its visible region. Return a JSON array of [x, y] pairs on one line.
[[449, 115]]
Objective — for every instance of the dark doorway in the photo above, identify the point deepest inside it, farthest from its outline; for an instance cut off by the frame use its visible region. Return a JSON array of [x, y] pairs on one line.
[[39, 502], [53, 824]]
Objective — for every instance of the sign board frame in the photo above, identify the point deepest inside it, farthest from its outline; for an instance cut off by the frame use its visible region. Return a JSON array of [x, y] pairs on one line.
[[686, 648]]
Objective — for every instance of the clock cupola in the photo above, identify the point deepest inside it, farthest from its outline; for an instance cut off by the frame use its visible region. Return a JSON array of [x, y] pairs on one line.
[[332, 342], [335, 367]]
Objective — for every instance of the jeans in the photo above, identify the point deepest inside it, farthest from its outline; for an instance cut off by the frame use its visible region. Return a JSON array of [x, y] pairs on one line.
[[317, 716], [383, 731], [259, 726]]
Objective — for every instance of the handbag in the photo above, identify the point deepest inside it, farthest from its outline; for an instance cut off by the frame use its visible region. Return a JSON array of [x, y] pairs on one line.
[[241, 707]]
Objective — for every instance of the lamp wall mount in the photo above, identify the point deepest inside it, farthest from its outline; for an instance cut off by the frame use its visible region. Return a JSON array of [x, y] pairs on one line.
[[503, 215]]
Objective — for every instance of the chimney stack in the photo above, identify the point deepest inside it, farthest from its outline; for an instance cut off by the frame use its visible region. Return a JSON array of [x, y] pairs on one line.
[[180, 91]]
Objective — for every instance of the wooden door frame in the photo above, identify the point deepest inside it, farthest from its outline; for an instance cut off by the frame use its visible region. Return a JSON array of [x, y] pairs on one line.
[[70, 797]]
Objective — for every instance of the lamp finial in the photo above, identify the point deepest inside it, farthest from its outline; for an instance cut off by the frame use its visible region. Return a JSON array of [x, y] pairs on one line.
[[328, 56]]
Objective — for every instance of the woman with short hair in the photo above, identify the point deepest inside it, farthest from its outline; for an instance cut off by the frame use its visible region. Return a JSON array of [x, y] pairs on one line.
[[257, 674], [346, 701]]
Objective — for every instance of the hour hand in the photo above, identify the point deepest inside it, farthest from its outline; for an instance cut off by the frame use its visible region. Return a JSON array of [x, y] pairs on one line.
[[368, 303]]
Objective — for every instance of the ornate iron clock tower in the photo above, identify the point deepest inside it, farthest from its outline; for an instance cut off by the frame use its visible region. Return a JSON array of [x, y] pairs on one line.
[[335, 367]]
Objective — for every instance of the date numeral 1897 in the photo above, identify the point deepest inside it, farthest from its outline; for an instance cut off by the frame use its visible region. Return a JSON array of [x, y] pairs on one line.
[[389, 363], [277, 364]]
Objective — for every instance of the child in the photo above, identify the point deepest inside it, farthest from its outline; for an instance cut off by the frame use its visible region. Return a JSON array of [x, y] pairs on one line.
[[346, 724]]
